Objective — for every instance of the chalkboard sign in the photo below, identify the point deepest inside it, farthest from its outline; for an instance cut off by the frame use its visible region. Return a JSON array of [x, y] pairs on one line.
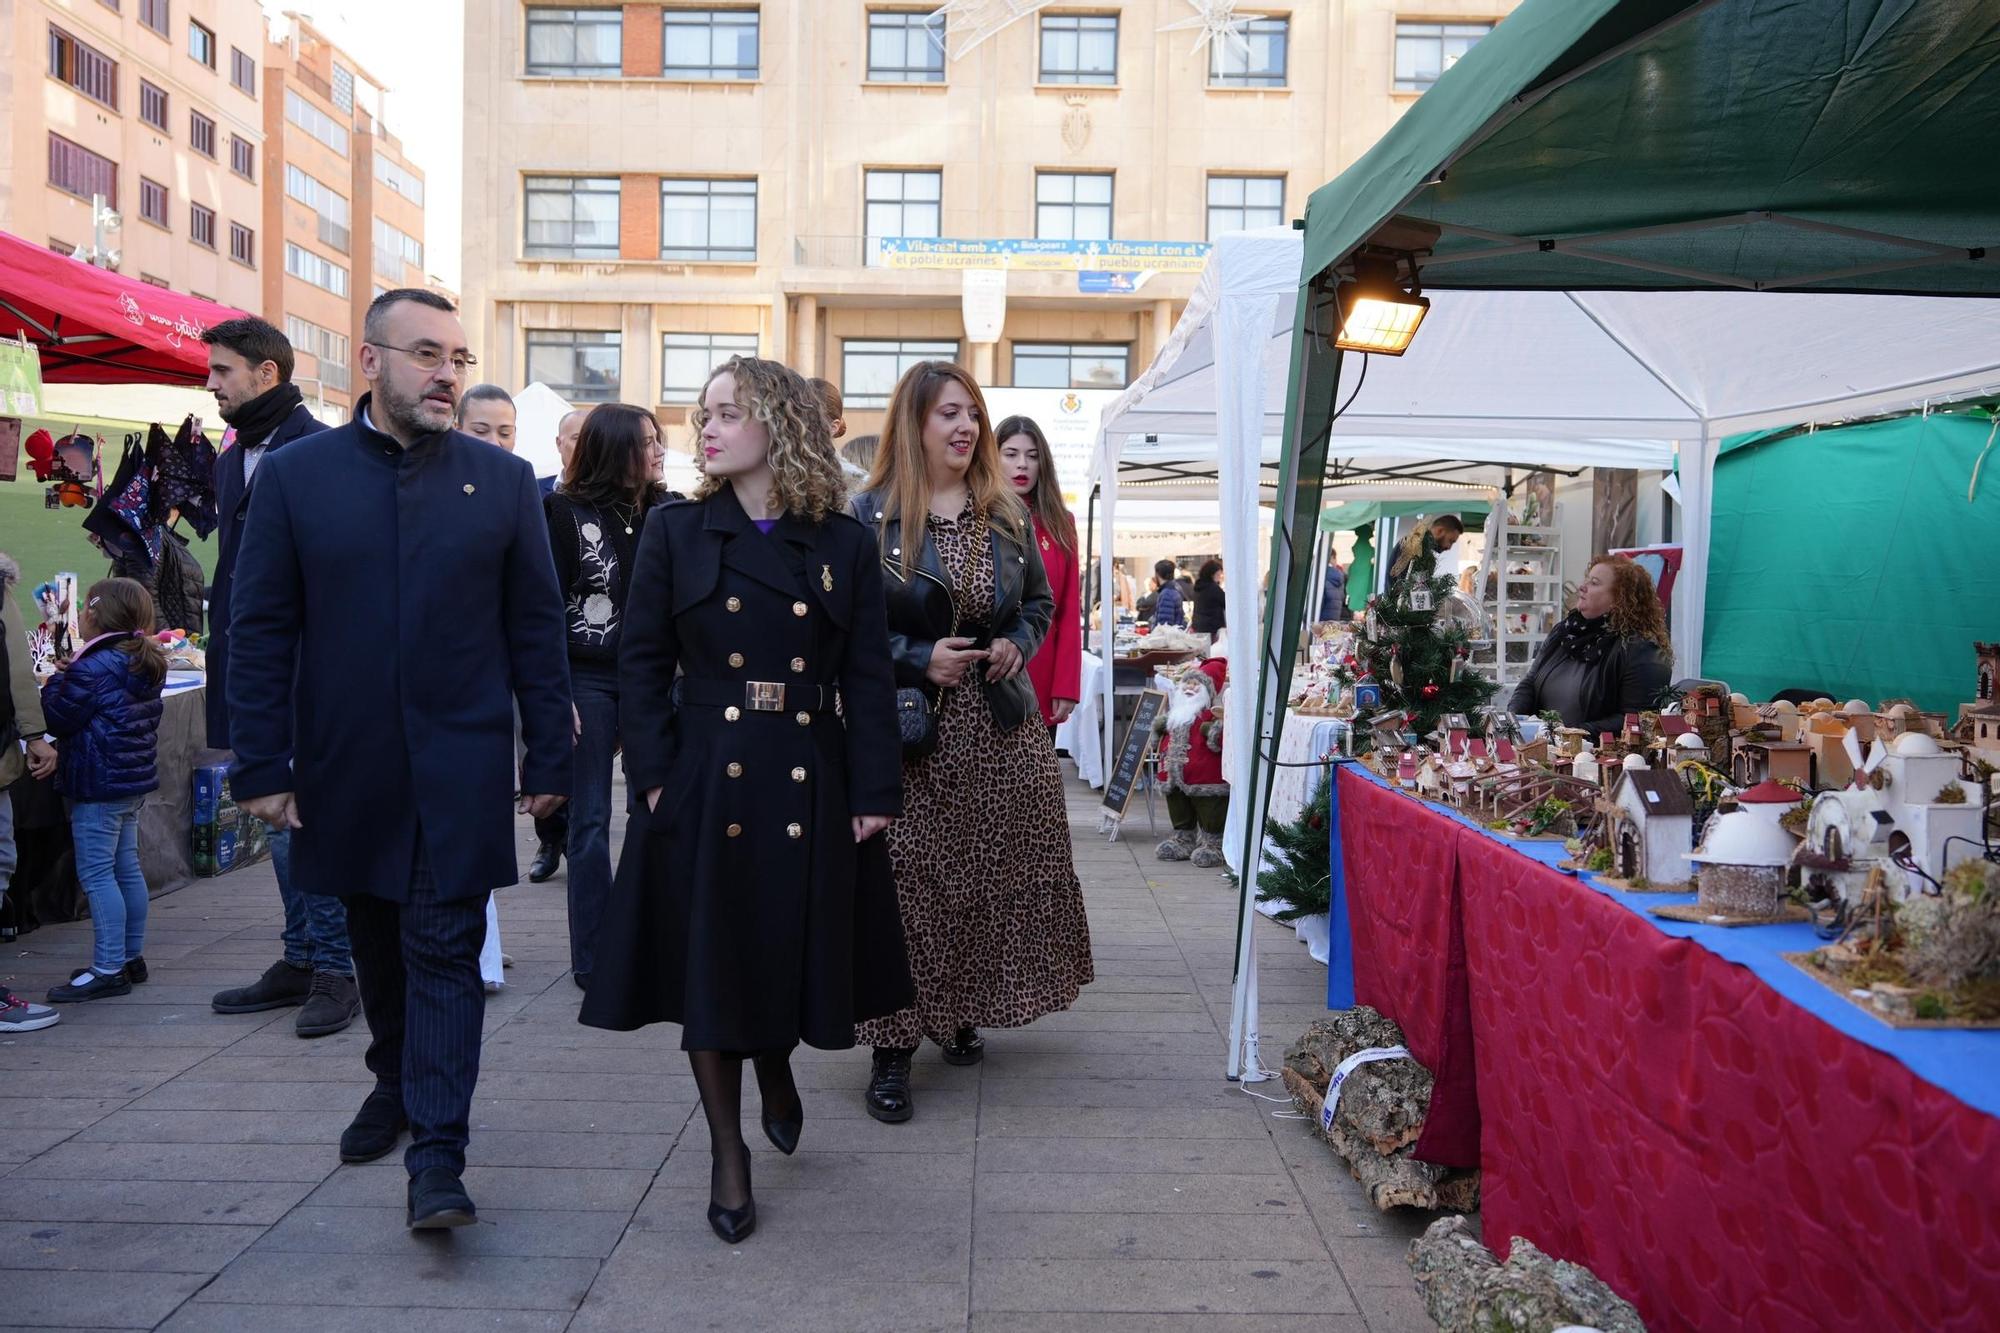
[[1131, 749]]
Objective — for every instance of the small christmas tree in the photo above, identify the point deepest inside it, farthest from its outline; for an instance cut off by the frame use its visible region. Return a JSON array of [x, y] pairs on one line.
[[1424, 668], [1301, 860]]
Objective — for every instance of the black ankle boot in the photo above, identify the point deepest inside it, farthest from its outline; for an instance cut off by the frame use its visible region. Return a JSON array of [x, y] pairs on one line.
[[733, 1224], [966, 1047], [889, 1086]]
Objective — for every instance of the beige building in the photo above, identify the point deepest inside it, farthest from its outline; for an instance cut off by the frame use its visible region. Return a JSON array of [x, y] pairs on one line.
[[155, 106], [651, 188], [345, 207]]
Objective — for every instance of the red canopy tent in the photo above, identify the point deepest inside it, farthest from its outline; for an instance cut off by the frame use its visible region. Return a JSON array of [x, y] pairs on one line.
[[93, 327]]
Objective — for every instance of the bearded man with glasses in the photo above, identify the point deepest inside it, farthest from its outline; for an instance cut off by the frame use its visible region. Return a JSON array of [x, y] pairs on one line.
[[396, 600]]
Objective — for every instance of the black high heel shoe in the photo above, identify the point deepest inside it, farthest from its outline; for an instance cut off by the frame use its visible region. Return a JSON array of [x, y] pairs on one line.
[[734, 1225], [784, 1133]]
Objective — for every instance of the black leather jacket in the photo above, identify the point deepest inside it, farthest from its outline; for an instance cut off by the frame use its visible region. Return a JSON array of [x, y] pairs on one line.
[[920, 608]]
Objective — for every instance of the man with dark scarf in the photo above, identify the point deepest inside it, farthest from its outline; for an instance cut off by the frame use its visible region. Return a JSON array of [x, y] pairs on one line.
[[250, 374]]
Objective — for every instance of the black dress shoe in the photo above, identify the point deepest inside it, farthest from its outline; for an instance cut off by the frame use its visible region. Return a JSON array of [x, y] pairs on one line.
[[135, 970], [87, 984], [376, 1127], [966, 1047], [330, 1007], [547, 858], [734, 1224], [784, 1134], [438, 1201], [889, 1086], [283, 983]]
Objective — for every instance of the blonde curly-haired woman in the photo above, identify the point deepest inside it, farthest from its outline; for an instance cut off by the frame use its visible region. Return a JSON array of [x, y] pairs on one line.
[[754, 903]]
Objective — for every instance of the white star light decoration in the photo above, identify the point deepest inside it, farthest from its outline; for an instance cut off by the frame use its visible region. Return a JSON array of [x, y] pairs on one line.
[[967, 23], [1217, 20]]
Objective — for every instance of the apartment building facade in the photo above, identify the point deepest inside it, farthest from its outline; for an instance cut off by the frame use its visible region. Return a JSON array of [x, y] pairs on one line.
[[345, 208], [652, 187], [155, 106]]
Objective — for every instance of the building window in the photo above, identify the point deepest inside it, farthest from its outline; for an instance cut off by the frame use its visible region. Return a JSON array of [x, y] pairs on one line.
[[242, 71], [686, 359], [1079, 48], [315, 122], [77, 170], [1073, 206], [869, 369], [393, 249], [1071, 365], [1261, 66], [83, 67], [242, 244], [201, 134], [713, 220], [201, 44], [581, 43], [323, 345], [153, 13], [201, 225], [343, 88], [400, 179], [572, 217], [582, 367], [899, 203], [153, 106], [153, 202], [321, 272], [1238, 203], [709, 44], [905, 47], [152, 281], [242, 157], [329, 206], [1426, 50]]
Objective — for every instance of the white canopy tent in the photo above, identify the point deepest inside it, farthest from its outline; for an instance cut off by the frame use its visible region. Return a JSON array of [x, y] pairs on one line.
[[1645, 380]]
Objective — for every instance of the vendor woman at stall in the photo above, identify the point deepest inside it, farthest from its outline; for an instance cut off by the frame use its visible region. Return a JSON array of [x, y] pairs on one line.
[[1609, 657]]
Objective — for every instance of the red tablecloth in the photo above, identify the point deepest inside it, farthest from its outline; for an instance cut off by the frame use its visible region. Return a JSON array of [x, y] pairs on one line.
[[1719, 1155]]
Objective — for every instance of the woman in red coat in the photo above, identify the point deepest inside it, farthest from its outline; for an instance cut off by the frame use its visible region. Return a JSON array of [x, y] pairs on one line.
[[1031, 470]]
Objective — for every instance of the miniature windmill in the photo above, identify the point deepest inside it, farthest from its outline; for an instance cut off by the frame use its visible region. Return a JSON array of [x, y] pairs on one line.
[[1216, 20], [1864, 772], [967, 23]]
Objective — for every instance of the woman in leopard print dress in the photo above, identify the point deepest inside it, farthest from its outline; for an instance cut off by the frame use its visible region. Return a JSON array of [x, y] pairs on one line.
[[991, 907]]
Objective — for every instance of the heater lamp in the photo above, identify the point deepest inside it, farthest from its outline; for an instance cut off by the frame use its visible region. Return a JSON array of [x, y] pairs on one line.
[[1376, 314]]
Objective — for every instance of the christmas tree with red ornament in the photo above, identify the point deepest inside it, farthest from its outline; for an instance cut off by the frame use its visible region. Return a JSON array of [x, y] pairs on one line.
[[1424, 667]]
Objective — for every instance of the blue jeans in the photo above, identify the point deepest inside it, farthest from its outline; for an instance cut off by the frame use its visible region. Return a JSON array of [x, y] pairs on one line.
[[315, 924], [106, 834], [594, 688]]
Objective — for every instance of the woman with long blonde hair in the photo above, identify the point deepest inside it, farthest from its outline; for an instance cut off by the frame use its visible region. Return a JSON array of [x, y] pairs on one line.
[[1609, 657], [989, 897], [754, 903]]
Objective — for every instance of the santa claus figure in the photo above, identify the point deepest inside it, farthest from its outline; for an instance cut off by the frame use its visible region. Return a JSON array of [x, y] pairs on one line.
[[1197, 796]]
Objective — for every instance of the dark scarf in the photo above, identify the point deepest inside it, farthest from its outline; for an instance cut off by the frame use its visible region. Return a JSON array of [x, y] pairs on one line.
[[1584, 640], [257, 419]]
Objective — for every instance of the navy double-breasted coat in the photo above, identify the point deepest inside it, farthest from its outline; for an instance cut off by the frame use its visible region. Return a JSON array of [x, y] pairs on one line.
[[743, 908], [390, 609]]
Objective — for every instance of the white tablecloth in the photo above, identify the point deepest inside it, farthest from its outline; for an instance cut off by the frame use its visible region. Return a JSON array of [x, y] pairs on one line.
[[1083, 735], [1302, 740]]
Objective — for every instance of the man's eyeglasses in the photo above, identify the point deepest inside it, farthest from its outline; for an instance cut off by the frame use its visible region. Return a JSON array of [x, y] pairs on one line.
[[430, 358]]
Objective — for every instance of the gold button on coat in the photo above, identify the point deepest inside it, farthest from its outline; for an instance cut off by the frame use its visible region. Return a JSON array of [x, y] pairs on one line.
[[798, 608], [805, 719], [798, 775], [734, 770], [794, 830], [734, 830], [734, 604], [731, 713], [736, 659], [798, 665]]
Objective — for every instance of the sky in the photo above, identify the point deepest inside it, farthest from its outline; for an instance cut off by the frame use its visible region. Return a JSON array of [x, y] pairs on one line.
[[416, 48]]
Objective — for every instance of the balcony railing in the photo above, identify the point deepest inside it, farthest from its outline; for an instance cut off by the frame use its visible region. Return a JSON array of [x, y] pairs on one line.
[[830, 251], [313, 81]]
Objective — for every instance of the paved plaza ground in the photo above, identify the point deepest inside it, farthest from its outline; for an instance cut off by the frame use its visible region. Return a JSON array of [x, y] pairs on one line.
[[162, 1166]]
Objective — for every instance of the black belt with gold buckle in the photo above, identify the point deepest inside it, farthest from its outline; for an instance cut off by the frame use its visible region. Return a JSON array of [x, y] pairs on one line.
[[756, 696]]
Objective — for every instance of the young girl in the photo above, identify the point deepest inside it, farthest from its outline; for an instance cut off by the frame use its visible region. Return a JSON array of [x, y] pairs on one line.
[[104, 711]]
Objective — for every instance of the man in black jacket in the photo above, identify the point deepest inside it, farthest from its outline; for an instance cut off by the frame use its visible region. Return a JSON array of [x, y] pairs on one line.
[[250, 374]]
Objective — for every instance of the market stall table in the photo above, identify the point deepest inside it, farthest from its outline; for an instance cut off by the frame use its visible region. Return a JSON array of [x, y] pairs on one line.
[[1724, 1140]]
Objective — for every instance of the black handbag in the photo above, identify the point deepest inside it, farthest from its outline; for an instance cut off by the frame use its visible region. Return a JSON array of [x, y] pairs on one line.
[[916, 722]]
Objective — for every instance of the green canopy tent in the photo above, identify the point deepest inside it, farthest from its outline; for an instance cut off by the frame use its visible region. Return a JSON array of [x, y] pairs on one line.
[[1672, 220]]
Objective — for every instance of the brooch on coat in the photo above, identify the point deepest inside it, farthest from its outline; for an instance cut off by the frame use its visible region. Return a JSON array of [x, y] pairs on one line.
[[826, 577]]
